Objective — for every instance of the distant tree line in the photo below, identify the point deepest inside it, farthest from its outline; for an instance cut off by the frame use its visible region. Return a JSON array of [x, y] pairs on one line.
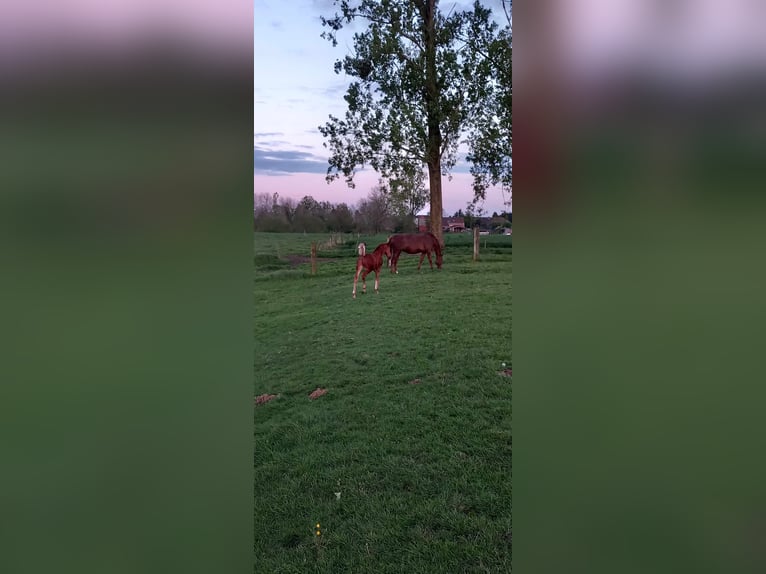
[[377, 213], [374, 214], [476, 217]]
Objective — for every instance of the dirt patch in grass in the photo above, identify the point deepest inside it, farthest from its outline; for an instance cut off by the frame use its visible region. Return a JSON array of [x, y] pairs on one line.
[[296, 260], [263, 399], [506, 372], [317, 393], [415, 381]]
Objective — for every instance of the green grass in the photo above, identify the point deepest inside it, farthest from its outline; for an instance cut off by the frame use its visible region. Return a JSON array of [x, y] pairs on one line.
[[424, 470]]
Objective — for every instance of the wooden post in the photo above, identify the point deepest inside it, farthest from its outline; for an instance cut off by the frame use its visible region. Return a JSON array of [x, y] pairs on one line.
[[475, 243], [313, 258]]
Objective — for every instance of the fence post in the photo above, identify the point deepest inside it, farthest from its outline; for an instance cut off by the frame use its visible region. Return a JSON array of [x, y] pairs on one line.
[[313, 258], [475, 243]]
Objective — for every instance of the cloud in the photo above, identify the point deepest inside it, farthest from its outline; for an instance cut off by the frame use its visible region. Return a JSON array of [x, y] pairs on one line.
[[324, 6], [461, 165], [272, 144], [335, 91], [267, 134], [285, 162]]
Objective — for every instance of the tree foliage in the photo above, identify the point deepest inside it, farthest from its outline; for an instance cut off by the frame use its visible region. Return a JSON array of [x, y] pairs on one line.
[[413, 91], [407, 192], [491, 136]]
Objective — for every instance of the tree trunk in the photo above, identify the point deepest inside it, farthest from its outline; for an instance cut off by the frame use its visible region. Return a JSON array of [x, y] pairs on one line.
[[433, 152], [435, 182]]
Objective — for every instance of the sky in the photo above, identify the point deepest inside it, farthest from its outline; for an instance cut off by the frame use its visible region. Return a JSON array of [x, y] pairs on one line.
[[296, 89]]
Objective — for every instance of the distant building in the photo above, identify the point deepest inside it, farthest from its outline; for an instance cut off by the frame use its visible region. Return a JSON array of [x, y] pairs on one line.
[[496, 224], [449, 224]]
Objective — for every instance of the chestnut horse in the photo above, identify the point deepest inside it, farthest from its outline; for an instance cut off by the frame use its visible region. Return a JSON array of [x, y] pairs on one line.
[[372, 262], [423, 243]]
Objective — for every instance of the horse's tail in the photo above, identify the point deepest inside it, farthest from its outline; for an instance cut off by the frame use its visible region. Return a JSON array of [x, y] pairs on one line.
[[361, 249]]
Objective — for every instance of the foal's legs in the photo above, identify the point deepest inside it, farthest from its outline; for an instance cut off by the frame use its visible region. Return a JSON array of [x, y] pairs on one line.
[[421, 260], [377, 279], [356, 278], [364, 282], [429, 260]]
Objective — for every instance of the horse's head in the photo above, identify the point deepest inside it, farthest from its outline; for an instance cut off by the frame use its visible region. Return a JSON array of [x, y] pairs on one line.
[[438, 248], [361, 248]]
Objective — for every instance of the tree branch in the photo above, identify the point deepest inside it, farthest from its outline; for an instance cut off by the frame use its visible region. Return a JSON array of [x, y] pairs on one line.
[[402, 33], [507, 10]]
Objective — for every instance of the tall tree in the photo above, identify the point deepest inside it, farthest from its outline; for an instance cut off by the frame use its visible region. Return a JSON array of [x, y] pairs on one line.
[[283, 208], [341, 218], [374, 211], [491, 136], [307, 216], [409, 102]]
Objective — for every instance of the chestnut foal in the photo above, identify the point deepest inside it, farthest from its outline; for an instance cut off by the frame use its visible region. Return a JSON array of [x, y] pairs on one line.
[[372, 262]]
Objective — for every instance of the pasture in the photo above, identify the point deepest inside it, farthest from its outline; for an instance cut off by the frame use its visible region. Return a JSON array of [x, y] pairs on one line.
[[414, 432]]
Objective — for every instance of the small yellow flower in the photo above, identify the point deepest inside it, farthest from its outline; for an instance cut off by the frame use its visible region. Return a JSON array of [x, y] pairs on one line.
[[317, 525], [318, 533]]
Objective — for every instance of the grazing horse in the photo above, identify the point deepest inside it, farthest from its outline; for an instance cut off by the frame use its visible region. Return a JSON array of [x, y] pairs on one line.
[[423, 243], [372, 262]]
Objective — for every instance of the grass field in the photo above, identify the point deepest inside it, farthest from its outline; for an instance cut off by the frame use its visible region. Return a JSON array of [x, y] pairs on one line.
[[423, 470]]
